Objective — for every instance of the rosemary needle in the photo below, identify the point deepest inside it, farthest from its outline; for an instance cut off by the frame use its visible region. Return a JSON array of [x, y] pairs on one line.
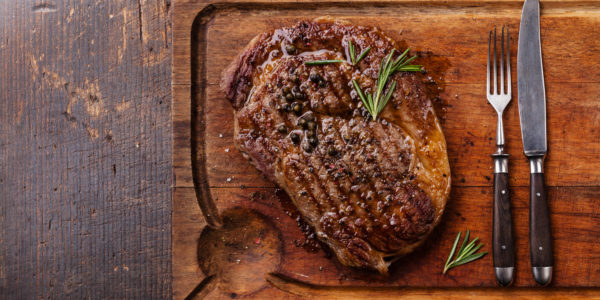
[[353, 57], [323, 62], [466, 253]]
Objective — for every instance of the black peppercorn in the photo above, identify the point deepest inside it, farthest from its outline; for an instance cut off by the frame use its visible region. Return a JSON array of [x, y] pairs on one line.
[[322, 83], [285, 90], [302, 122], [295, 138], [290, 49], [289, 97], [310, 133], [311, 125], [297, 108], [332, 151], [281, 128], [286, 107], [298, 94], [313, 141], [314, 77]]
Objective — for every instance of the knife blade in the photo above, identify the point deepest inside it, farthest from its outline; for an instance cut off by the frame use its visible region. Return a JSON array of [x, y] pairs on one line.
[[532, 115]]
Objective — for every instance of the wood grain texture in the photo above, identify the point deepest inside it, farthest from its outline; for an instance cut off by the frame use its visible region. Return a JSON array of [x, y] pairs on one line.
[[457, 31], [503, 245], [85, 149], [309, 291]]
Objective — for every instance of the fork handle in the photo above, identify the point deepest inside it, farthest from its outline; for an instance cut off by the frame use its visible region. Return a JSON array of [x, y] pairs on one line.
[[502, 234]]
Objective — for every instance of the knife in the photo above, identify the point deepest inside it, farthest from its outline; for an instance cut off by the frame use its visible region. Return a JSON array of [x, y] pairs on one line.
[[532, 114]]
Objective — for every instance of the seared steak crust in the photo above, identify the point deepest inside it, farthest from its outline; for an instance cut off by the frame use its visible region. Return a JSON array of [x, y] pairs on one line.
[[371, 189]]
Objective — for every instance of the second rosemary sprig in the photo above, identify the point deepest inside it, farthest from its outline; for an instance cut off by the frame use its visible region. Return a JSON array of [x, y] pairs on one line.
[[467, 252]]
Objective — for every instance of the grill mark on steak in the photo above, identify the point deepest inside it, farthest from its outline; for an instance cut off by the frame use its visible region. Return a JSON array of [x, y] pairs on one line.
[[330, 186], [320, 166], [324, 202], [377, 193], [354, 160]]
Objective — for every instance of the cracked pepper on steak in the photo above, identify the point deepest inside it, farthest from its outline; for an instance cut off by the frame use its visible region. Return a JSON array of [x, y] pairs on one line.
[[371, 189]]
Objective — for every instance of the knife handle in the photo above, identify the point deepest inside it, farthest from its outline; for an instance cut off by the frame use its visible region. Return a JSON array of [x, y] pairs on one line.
[[502, 234], [540, 236]]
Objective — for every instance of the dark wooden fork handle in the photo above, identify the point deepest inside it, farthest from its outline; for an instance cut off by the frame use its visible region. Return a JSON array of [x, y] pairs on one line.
[[502, 234]]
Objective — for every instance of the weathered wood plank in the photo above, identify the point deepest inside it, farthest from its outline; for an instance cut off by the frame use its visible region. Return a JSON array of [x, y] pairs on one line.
[[85, 149]]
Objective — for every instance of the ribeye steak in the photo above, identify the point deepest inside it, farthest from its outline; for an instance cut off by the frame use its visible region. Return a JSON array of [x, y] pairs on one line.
[[371, 189]]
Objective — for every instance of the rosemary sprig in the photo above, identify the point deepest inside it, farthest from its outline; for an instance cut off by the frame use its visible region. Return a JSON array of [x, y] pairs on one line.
[[353, 58], [374, 103], [323, 62], [466, 253]]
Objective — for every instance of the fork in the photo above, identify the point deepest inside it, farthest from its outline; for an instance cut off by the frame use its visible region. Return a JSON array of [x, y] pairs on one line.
[[502, 234]]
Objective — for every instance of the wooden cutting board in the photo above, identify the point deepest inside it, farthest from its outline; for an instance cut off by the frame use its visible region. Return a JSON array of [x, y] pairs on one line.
[[260, 239]]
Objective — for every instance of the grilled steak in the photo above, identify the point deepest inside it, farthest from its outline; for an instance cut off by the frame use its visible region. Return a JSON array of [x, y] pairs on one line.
[[372, 189]]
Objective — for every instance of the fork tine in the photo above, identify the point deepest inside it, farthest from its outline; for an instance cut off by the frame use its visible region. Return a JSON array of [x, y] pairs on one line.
[[495, 69], [508, 79], [488, 64], [502, 63]]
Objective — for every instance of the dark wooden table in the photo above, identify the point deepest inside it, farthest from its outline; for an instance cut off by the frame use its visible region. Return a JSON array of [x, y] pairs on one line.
[[85, 149]]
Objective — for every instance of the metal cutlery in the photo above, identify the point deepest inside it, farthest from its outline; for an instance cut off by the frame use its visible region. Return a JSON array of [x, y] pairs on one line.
[[503, 242], [532, 114]]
